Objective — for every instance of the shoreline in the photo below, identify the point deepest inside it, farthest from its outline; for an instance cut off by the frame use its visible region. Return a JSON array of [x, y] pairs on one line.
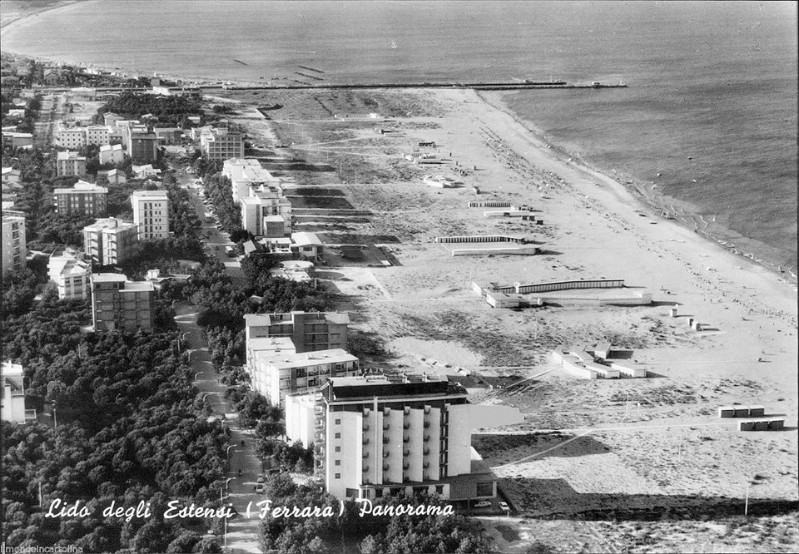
[[663, 206]]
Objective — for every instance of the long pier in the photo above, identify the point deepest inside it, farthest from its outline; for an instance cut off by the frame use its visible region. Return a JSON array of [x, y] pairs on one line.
[[475, 86]]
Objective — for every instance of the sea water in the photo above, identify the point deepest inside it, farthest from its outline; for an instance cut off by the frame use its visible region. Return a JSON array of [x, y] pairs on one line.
[[709, 115]]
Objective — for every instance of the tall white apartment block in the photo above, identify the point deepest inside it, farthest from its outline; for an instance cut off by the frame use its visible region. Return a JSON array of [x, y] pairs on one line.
[[379, 435], [15, 249], [151, 213]]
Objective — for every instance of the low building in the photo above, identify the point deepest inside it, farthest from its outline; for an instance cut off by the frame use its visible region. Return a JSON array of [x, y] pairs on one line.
[[14, 249], [110, 241], [293, 270], [145, 171], [18, 140], [11, 175], [13, 393], [112, 176], [307, 245], [71, 274], [309, 331], [70, 164], [121, 305], [84, 198], [168, 135], [112, 154], [276, 374], [382, 435]]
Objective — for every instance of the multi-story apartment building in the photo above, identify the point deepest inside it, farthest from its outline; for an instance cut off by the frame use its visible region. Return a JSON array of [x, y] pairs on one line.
[[121, 305], [69, 164], [112, 154], [309, 331], [71, 274], [97, 135], [110, 241], [222, 144], [274, 374], [15, 249], [142, 146], [13, 410], [151, 213], [72, 137], [83, 199], [245, 174], [260, 205], [379, 435]]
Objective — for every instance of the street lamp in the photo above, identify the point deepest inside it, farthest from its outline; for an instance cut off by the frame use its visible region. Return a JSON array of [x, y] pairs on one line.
[[227, 452]]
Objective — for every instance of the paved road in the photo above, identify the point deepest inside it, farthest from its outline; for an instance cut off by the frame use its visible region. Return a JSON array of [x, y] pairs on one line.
[[242, 533]]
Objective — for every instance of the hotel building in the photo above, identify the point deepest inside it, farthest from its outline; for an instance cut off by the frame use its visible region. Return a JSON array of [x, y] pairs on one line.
[[255, 210], [151, 213], [121, 305], [380, 435], [110, 241], [82, 199]]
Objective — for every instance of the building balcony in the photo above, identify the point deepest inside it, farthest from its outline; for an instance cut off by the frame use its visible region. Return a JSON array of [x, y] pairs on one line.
[[386, 453], [386, 427], [406, 465], [426, 451], [386, 467], [365, 455], [406, 453], [365, 441], [386, 440], [365, 468], [406, 425], [406, 438], [426, 437], [365, 426]]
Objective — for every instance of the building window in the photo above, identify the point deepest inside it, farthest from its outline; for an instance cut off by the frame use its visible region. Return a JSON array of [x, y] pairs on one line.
[[338, 435], [338, 449], [338, 421], [337, 476], [338, 462]]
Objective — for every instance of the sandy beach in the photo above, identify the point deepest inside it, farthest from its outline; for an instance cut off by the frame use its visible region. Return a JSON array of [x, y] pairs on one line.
[[648, 443]]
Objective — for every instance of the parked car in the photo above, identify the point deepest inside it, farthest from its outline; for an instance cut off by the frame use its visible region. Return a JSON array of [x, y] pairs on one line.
[[261, 478], [483, 504], [259, 489], [504, 506]]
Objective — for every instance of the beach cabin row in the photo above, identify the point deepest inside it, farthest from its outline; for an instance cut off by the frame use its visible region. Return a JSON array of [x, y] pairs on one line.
[[742, 411], [489, 204], [776, 424]]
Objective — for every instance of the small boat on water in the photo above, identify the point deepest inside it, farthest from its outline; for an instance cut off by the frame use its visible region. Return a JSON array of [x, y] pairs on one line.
[[241, 62]]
